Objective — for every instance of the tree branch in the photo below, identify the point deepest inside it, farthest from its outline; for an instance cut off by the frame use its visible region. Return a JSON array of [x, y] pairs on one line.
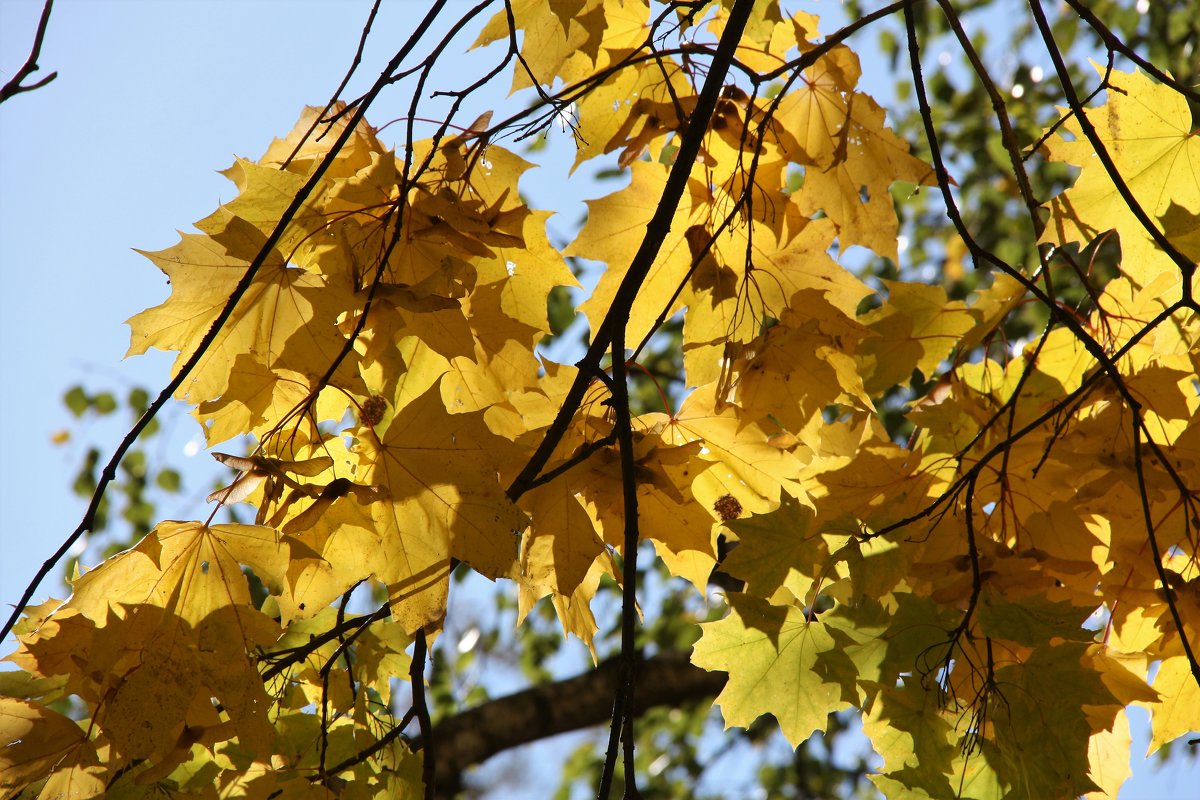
[[14, 87], [473, 736], [656, 232]]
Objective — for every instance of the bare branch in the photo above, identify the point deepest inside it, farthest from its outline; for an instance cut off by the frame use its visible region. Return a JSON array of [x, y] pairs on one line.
[[14, 86]]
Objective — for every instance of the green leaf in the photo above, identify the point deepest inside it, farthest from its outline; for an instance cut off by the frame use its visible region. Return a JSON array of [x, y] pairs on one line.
[[104, 403], [1032, 621], [76, 400], [168, 480], [770, 653]]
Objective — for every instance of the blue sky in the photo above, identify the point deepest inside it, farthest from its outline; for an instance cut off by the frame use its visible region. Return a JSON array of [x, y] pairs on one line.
[[153, 98]]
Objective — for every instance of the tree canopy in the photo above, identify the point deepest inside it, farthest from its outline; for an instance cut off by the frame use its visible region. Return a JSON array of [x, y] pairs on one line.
[[961, 506]]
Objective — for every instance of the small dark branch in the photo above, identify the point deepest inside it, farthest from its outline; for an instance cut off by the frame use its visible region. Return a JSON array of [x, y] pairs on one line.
[[628, 764], [324, 738], [533, 79], [1030, 366], [1155, 553], [362, 43], [395, 733], [14, 86], [1007, 135], [656, 232], [282, 660], [622, 723], [421, 709], [1063, 118], [584, 701], [972, 552], [1114, 43]]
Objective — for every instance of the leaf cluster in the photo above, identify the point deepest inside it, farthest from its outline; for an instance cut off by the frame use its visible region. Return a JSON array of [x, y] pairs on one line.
[[987, 593]]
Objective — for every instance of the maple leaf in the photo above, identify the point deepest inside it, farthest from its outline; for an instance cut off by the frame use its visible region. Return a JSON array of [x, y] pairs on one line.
[[917, 743], [633, 110], [1175, 713], [553, 34], [851, 157], [745, 464], [1146, 129], [525, 274], [780, 268], [770, 653], [811, 119], [776, 550], [36, 741], [286, 320], [177, 604], [917, 328], [799, 368], [301, 151], [667, 512], [613, 234], [441, 475], [562, 543], [1049, 691]]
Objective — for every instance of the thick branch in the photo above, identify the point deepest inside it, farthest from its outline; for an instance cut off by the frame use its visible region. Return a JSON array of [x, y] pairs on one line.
[[475, 735]]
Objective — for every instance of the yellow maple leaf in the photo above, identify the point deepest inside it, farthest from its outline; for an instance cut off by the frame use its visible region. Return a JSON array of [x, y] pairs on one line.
[[287, 318], [667, 512], [614, 232], [1177, 711], [854, 191], [917, 328], [1147, 130], [553, 33], [177, 624], [36, 741], [810, 120], [441, 475], [633, 110], [561, 544], [780, 549], [745, 463], [799, 367], [310, 147], [777, 269]]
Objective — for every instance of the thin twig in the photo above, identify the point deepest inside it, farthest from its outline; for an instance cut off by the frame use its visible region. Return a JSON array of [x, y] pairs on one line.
[[337, 93], [1114, 42], [396, 732], [14, 87]]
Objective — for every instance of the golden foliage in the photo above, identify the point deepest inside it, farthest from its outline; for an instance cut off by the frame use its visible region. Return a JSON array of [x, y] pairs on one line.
[[382, 358]]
